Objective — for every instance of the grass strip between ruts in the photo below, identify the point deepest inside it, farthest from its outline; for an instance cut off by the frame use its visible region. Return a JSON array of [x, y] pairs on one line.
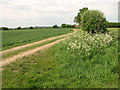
[[7, 55]]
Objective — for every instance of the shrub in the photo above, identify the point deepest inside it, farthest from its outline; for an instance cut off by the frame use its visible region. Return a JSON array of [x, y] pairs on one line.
[[18, 28], [31, 27], [93, 21], [67, 26], [63, 25], [55, 26], [4, 28]]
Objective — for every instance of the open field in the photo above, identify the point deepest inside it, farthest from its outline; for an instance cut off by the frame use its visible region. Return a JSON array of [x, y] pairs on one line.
[[63, 67], [15, 38], [15, 53], [113, 30]]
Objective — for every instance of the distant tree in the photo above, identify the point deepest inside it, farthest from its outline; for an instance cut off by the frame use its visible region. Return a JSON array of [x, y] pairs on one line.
[[68, 26], [74, 25], [31, 27], [18, 28], [4, 28], [63, 25], [77, 19], [113, 25], [93, 21], [55, 26]]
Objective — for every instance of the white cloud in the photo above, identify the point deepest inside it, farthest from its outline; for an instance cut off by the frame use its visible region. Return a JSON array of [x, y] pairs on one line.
[[49, 12]]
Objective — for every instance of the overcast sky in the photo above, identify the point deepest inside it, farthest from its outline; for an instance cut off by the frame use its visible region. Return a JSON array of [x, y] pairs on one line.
[[15, 13]]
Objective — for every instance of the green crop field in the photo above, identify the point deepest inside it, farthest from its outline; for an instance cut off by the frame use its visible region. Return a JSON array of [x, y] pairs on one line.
[[13, 38], [113, 30], [81, 61]]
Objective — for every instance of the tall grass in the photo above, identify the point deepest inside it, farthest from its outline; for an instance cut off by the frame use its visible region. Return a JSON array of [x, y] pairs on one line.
[[87, 45], [89, 60]]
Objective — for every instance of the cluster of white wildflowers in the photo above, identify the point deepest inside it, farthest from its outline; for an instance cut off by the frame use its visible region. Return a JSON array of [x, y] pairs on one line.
[[82, 42]]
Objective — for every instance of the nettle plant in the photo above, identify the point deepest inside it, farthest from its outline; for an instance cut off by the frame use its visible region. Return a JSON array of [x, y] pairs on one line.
[[93, 21]]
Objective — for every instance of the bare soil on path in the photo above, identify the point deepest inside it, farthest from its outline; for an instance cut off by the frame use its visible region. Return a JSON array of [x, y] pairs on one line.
[[29, 52], [32, 51], [28, 45]]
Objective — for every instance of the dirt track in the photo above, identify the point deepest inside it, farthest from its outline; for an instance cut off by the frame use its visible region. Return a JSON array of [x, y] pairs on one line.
[[32, 51], [29, 52], [28, 45]]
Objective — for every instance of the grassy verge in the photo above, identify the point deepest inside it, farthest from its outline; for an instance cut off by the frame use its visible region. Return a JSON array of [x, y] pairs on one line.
[[15, 38], [7, 55], [59, 68], [55, 68], [101, 71]]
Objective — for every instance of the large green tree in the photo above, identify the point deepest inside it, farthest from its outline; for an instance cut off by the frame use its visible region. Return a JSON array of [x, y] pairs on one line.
[[93, 21], [77, 19]]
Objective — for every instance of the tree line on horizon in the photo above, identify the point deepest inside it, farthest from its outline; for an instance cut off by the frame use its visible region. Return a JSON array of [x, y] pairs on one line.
[[37, 27], [109, 25], [65, 26], [90, 20]]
